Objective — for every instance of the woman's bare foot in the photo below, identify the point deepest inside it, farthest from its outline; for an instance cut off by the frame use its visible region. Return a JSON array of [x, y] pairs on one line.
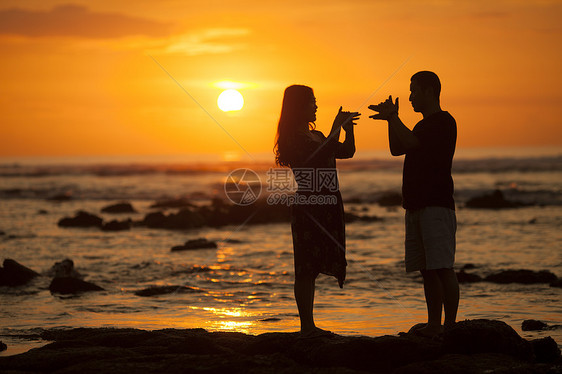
[[428, 331], [315, 332]]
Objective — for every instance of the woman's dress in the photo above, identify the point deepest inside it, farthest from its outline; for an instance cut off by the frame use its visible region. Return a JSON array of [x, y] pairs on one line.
[[317, 215]]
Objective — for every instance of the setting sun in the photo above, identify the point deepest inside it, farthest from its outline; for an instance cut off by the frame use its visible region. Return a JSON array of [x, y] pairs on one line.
[[230, 100]]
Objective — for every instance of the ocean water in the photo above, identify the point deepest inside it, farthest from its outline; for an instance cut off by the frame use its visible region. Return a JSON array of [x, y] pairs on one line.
[[246, 284]]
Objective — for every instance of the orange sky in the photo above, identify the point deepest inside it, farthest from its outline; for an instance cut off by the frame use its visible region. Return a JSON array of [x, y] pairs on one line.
[[77, 77]]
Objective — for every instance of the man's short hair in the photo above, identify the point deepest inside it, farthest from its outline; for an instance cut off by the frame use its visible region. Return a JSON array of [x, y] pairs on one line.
[[428, 79]]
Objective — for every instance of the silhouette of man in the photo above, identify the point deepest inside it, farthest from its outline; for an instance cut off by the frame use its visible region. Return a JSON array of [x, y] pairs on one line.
[[427, 194]]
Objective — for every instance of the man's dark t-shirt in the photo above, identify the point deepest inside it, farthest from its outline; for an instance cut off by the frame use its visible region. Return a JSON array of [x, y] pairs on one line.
[[427, 177]]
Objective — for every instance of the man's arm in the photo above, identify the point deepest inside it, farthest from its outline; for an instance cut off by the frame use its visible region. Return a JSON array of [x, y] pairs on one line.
[[400, 138]]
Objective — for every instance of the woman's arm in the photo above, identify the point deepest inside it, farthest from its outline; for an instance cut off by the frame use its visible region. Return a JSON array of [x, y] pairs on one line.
[[347, 148], [347, 121]]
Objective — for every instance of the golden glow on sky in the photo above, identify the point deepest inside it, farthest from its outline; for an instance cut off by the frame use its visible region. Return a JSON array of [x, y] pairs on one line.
[[78, 77]]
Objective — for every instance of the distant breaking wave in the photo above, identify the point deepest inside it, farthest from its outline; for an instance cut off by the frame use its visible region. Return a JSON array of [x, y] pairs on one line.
[[489, 165]]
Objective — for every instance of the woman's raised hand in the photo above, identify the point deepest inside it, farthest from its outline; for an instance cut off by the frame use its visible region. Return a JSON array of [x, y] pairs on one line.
[[346, 119]]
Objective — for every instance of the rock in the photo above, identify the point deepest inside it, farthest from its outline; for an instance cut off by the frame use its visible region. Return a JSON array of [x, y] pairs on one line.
[[350, 217], [154, 220], [174, 203], [2, 233], [123, 207], [546, 350], [117, 225], [184, 219], [65, 196], [556, 283], [522, 276], [82, 219], [464, 277], [390, 199], [468, 267], [69, 285], [218, 214], [163, 290], [42, 212], [480, 346], [13, 274], [201, 243], [485, 336], [63, 269], [533, 325], [495, 200], [3, 346], [354, 200]]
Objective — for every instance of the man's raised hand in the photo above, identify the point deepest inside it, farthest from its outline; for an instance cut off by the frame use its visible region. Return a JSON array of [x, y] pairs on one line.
[[385, 109]]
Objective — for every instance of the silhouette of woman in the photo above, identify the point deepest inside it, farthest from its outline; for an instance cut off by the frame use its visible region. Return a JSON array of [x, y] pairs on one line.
[[317, 216]]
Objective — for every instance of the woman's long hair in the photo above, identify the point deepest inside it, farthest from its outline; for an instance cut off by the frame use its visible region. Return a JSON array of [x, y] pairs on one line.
[[296, 99]]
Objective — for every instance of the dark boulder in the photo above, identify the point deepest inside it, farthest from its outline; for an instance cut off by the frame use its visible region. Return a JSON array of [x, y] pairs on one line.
[[556, 283], [69, 285], [200, 243], [3, 346], [173, 203], [464, 277], [351, 217], [123, 207], [184, 219], [480, 346], [163, 290], [485, 336], [67, 280], [494, 200], [154, 220], [65, 196], [62, 269], [82, 219], [522, 276], [14, 274], [115, 225], [546, 350], [533, 325], [390, 199]]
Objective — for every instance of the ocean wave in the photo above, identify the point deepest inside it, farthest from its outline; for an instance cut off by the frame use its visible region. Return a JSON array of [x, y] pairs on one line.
[[460, 165]]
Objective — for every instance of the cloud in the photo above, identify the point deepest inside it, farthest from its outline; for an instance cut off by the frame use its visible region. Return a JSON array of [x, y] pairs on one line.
[[208, 41], [77, 21]]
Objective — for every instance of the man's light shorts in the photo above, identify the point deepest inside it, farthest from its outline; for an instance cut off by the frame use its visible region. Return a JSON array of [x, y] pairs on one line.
[[430, 238]]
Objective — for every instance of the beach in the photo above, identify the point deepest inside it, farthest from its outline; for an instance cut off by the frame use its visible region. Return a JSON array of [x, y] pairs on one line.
[[244, 285]]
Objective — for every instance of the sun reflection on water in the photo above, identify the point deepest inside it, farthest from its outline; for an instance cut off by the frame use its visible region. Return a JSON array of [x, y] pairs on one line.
[[229, 319]]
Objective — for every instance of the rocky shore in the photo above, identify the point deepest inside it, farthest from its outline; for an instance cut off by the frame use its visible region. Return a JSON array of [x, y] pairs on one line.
[[472, 346]]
